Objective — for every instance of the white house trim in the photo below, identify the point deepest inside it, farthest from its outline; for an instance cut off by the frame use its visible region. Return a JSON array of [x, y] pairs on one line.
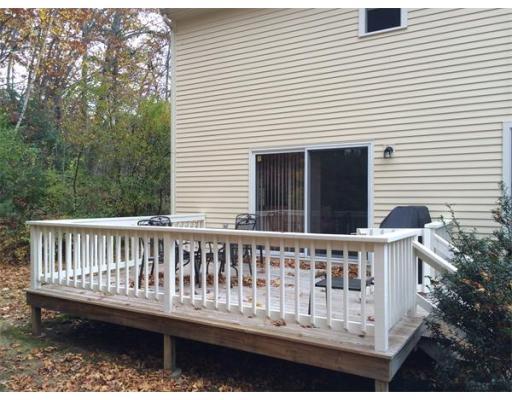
[[362, 23], [507, 154], [305, 149], [173, 119]]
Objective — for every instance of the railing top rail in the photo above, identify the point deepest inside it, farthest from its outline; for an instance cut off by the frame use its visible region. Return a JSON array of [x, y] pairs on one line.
[[383, 238], [396, 233], [121, 221], [438, 224]]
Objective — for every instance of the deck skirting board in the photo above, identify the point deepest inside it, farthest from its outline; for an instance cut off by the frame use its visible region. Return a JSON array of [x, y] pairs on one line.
[[237, 337]]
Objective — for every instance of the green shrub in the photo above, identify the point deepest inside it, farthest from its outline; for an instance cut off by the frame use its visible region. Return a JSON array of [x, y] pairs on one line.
[[473, 320], [111, 171], [22, 183]]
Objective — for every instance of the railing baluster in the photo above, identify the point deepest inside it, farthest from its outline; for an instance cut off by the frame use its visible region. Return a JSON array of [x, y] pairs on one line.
[[89, 266], [136, 266], [118, 263], [93, 264], [76, 253], [203, 269], [268, 271], [345, 287], [68, 257], [372, 270], [89, 241], [127, 264], [282, 304], [75, 258], [359, 265], [254, 277], [82, 248], [240, 275], [215, 272], [110, 260], [399, 309], [297, 280], [363, 288], [389, 263], [192, 269], [394, 295], [227, 266], [79, 261], [329, 285], [51, 246], [59, 256], [406, 271], [101, 261], [48, 256], [172, 269], [146, 265], [181, 275], [409, 268], [168, 267], [156, 264], [312, 277], [44, 252]]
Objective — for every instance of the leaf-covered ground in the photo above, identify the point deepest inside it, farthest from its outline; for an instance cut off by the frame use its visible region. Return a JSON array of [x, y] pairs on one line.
[[80, 355]]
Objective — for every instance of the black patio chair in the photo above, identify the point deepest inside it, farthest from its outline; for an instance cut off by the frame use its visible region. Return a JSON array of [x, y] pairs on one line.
[[246, 222], [354, 284], [162, 220]]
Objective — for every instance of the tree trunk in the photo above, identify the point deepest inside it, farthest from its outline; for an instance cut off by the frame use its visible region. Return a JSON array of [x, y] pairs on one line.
[[34, 65]]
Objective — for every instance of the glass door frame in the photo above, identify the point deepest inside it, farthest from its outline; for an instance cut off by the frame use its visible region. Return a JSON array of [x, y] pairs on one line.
[[306, 151]]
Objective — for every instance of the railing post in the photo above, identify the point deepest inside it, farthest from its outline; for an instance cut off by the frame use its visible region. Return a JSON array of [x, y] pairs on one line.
[[381, 296], [426, 270], [414, 264], [35, 257]]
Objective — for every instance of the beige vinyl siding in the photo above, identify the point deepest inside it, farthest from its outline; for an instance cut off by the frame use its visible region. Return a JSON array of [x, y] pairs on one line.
[[438, 91]]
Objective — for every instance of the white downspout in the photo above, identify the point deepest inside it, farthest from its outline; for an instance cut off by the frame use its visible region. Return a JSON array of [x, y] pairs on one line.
[[173, 117]]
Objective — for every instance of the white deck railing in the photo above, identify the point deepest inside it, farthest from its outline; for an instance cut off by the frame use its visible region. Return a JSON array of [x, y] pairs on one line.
[[115, 256], [436, 238]]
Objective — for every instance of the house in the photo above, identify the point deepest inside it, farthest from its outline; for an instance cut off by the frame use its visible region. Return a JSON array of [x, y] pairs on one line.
[[289, 112], [319, 121]]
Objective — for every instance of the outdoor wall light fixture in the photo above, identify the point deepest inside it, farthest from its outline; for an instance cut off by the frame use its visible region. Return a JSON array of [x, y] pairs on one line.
[[388, 152]]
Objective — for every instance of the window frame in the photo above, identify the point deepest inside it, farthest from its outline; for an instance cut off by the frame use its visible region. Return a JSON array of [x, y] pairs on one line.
[[362, 23]]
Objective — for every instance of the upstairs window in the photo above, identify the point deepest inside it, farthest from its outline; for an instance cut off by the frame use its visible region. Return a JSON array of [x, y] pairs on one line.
[[375, 20]]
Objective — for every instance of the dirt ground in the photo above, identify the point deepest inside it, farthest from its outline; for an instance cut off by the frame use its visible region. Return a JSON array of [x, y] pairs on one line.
[[80, 355]]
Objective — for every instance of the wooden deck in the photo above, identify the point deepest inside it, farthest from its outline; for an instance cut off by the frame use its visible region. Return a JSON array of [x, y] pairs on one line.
[[90, 269], [332, 349]]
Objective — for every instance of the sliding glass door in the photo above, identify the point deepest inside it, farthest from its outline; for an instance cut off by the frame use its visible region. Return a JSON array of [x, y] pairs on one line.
[[338, 190], [334, 200], [280, 192]]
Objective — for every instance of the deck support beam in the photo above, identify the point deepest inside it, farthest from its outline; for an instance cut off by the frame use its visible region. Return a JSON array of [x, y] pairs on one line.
[[310, 351], [170, 356], [381, 386], [36, 320]]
